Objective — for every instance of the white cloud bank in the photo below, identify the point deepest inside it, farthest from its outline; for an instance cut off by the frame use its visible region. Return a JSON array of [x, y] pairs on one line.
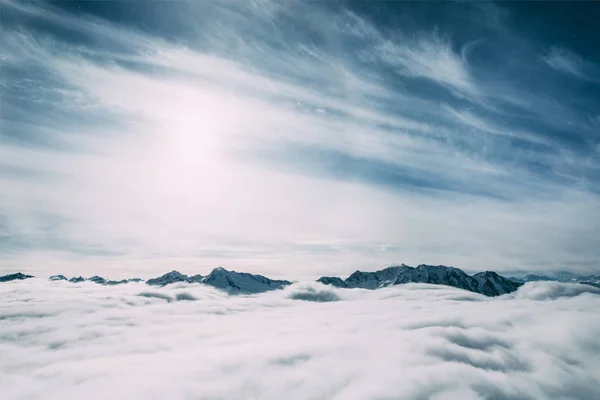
[[74, 341]]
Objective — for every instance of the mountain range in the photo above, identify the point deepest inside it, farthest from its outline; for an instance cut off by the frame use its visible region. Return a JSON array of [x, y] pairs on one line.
[[220, 278], [488, 283]]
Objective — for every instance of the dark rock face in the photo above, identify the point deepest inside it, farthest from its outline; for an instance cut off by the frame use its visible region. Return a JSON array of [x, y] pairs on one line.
[[14, 277], [58, 278], [333, 281], [491, 284], [77, 279], [487, 283]]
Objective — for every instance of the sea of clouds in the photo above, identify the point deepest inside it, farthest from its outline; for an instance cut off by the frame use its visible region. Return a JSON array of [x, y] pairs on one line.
[[60, 340]]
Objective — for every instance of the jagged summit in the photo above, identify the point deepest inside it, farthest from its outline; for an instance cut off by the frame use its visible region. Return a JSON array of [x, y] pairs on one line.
[[241, 282], [488, 283], [168, 278]]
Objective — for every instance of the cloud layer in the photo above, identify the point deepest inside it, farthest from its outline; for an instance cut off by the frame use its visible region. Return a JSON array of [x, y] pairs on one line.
[[415, 341]]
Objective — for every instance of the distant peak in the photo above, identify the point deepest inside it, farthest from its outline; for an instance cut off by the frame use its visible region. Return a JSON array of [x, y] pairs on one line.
[[12, 277]]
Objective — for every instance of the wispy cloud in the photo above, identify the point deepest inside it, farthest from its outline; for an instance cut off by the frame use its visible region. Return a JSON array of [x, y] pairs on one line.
[[570, 63], [251, 143], [432, 58]]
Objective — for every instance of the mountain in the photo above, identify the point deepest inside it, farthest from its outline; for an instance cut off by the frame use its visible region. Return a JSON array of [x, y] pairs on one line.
[[333, 281], [97, 279], [594, 284], [13, 277], [168, 278], [491, 284], [241, 282], [563, 276], [220, 278], [487, 283], [101, 281], [532, 278], [195, 278], [587, 279], [122, 281]]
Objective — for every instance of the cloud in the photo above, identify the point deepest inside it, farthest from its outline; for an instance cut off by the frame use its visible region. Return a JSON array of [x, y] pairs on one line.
[[468, 118], [552, 290], [433, 58], [263, 139], [85, 340], [565, 61]]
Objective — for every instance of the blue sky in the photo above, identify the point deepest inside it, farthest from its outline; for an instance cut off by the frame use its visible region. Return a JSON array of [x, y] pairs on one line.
[[299, 138]]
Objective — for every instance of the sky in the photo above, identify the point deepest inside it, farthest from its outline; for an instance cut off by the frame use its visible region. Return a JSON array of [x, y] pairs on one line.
[[298, 139], [62, 340]]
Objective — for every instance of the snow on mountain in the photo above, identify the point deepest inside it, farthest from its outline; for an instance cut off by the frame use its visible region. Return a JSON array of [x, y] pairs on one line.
[[13, 277], [101, 281], [96, 279], [588, 279], [168, 278], [488, 283], [241, 282], [220, 278]]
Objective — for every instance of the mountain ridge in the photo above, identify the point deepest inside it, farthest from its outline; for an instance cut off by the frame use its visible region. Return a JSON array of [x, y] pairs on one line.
[[488, 283]]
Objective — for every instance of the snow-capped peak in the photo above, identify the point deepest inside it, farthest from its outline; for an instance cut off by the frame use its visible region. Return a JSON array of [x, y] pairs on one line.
[[241, 282]]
